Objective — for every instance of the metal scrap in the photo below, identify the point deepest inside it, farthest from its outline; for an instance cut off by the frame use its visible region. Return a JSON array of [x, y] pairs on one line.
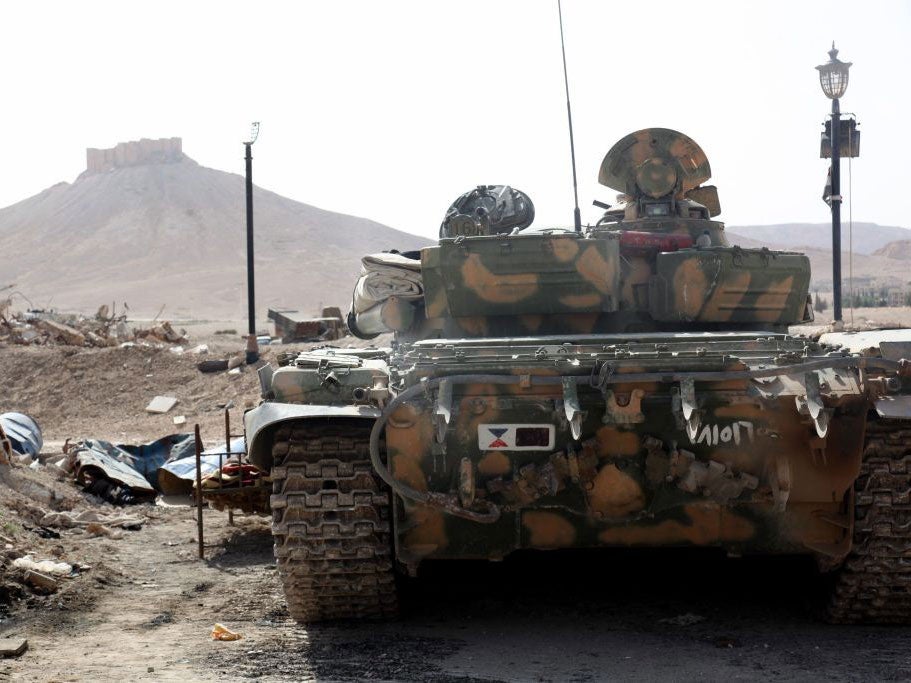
[[103, 469], [22, 432], [176, 476]]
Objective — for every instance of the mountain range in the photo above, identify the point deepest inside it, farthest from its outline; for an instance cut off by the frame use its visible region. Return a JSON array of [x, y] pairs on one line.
[[882, 253]]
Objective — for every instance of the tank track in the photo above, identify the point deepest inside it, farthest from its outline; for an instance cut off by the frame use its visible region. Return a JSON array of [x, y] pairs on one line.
[[874, 584], [330, 524]]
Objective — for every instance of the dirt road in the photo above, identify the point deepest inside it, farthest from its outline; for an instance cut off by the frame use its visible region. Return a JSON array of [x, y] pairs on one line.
[[540, 617]]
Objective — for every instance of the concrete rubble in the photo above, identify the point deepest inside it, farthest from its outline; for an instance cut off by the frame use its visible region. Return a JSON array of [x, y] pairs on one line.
[[105, 328], [291, 326], [161, 404]]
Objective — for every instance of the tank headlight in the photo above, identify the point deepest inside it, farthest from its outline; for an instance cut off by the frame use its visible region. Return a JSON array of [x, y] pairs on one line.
[[658, 209]]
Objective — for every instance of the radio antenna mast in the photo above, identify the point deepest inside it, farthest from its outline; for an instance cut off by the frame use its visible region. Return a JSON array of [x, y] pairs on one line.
[[569, 115]]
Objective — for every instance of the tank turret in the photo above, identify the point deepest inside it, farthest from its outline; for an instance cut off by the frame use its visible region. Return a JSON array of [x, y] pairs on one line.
[[655, 262]]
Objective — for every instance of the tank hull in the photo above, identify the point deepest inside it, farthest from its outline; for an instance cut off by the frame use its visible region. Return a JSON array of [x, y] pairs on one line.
[[688, 451]]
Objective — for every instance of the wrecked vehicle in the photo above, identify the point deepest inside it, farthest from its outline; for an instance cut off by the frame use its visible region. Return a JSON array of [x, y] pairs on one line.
[[630, 384]]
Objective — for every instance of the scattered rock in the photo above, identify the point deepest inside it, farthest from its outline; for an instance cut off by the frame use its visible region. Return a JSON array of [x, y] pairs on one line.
[[42, 581]]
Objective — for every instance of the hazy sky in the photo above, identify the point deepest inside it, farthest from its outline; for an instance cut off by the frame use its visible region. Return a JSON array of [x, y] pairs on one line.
[[390, 110]]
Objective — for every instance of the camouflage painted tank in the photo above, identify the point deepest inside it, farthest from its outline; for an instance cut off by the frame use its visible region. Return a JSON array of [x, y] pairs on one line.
[[632, 384]]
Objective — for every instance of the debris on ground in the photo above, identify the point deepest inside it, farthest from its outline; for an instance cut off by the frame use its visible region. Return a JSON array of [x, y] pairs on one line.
[[100, 469], [162, 332], [12, 647], [105, 328], [222, 632], [232, 365], [96, 529], [687, 619], [124, 474], [161, 404], [212, 365], [22, 432], [290, 326], [178, 475], [48, 567], [40, 582], [87, 519]]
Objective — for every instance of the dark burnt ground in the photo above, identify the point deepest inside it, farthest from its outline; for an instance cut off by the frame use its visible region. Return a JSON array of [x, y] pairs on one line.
[[587, 616]]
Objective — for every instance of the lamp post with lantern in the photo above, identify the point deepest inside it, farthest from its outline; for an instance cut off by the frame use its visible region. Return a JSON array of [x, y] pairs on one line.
[[833, 77]]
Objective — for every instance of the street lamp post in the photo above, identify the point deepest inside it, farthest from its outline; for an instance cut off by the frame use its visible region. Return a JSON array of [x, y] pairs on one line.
[[833, 77], [252, 346]]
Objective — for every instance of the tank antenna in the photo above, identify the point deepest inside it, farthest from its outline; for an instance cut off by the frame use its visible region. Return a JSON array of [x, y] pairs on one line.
[[569, 114]]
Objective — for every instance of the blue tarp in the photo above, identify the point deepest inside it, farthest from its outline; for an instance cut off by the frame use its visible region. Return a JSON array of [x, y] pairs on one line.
[[149, 457]]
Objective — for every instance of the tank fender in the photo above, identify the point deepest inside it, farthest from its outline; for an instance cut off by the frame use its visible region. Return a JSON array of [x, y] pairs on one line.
[[896, 407], [260, 423]]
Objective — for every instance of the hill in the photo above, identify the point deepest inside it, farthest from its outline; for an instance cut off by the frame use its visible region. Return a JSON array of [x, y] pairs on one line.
[[896, 250], [148, 225], [868, 237], [878, 257]]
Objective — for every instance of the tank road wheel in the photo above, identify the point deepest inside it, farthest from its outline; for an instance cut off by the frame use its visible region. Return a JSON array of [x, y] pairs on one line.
[[874, 585], [330, 523]]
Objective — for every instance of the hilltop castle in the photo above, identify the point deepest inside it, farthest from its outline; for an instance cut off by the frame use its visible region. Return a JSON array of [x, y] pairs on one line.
[[135, 153]]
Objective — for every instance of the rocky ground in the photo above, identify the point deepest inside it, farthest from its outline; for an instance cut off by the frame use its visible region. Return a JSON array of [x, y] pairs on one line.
[[145, 608], [142, 606]]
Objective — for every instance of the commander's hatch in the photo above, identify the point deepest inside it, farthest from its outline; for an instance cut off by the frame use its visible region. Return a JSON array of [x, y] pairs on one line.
[[659, 162]]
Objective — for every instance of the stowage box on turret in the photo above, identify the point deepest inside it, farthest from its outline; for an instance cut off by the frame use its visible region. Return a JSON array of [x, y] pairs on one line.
[[632, 384]]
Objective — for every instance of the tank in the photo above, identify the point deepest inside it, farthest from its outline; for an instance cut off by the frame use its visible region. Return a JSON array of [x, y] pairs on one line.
[[632, 384]]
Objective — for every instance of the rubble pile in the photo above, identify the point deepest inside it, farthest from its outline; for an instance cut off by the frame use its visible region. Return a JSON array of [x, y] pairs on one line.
[[105, 328]]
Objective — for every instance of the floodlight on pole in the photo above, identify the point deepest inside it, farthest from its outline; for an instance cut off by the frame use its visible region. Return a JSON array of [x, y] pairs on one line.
[[252, 347], [254, 133]]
